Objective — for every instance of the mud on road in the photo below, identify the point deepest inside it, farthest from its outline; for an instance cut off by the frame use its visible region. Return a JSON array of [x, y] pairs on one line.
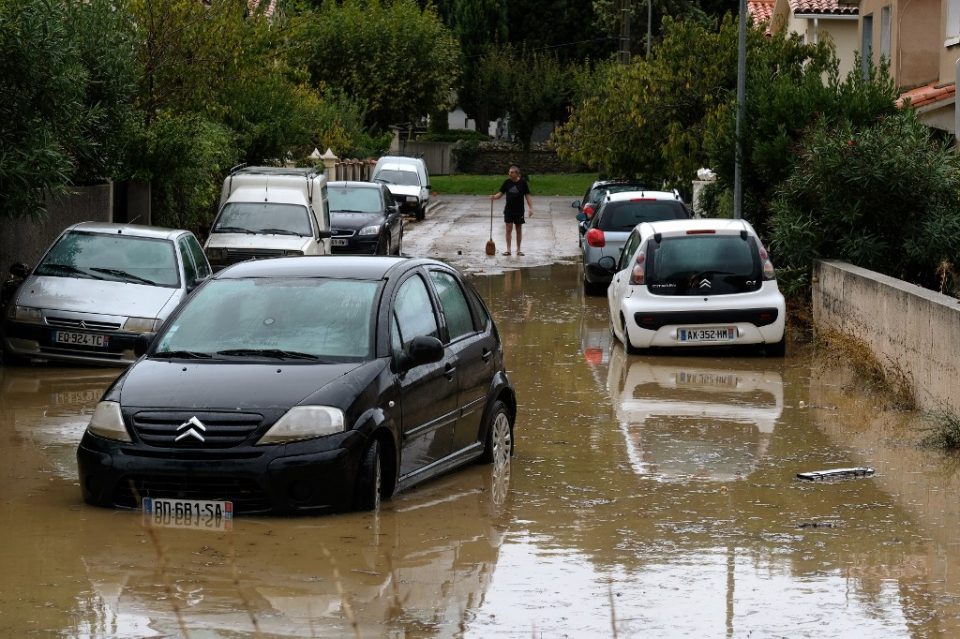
[[648, 496]]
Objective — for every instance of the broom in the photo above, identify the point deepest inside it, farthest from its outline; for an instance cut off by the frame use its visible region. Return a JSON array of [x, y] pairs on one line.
[[491, 247]]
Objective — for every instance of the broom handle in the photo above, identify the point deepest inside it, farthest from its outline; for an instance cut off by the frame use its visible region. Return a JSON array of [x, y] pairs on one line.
[[491, 219]]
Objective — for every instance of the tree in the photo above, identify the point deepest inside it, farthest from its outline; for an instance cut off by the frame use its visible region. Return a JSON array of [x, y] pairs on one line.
[[64, 98], [539, 88], [481, 28], [396, 59], [884, 195]]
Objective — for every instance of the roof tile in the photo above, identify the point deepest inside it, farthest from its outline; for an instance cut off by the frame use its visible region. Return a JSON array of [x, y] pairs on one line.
[[824, 7]]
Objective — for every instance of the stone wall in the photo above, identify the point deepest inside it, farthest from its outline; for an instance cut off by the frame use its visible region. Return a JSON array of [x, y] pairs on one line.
[[908, 328], [496, 162]]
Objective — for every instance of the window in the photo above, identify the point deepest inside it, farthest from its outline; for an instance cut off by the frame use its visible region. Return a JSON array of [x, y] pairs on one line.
[[264, 217], [199, 259], [116, 257], [189, 269], [866, 46], [885, 33], [455, 306], [628, 250], [414, 312], [952, 27]]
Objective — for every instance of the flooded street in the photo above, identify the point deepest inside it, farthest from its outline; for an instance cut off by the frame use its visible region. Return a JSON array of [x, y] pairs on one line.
[[649, 496]]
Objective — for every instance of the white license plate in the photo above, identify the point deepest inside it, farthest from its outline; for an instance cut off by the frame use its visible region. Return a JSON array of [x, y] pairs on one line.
[[77, 397], [338, 242], [707, 334], [188, 513], [81, 339], [685, 378]]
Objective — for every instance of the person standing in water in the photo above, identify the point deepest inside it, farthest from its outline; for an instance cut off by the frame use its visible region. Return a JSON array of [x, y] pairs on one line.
[[517, 192]]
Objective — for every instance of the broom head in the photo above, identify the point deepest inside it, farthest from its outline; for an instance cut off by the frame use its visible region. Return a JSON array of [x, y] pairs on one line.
[[491, 247]]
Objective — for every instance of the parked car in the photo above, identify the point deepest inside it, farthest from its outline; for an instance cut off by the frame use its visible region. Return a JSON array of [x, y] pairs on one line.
[[364, 219], [270, 212], [305, 385], [692, 283], [600, 189], [97, 288], [618, 214], [408, 181]]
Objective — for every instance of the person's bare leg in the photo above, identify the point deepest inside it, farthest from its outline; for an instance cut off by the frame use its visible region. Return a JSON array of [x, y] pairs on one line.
[[508, 233], [519, 237]]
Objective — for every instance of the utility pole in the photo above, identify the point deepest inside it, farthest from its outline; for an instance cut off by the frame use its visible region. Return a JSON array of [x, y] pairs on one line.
[[649, 25], [741, 100], [624, 54]]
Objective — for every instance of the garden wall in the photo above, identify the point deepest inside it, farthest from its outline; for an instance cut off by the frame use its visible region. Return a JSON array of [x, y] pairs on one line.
[[908, 328]]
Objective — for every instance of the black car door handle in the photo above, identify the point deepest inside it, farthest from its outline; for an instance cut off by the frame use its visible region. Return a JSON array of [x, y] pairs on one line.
[[486, 355], [449, 370]]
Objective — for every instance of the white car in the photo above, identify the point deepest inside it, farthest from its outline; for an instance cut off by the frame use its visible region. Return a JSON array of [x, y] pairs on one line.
[[408, 181], [690, 283]]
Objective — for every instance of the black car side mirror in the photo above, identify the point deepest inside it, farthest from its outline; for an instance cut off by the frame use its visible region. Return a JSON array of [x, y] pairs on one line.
[[581, 217], [576, 204], [421, 350], [142, 344]]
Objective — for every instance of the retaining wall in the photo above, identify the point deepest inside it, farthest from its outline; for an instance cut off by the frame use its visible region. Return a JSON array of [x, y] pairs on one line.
[[907, 327]]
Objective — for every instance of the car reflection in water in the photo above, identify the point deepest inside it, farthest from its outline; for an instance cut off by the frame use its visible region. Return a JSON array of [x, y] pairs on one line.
[[51, 407], [694, 419], [419, 567]]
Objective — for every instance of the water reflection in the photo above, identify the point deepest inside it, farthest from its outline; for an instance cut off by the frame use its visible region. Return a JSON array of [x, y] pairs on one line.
[[686, 418]]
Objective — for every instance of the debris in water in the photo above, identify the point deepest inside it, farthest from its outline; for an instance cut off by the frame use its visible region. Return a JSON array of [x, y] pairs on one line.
[[816, 524], [836, 473]]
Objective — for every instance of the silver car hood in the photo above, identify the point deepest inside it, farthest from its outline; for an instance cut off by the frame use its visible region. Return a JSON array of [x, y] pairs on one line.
[[99, 297], [258, 241]]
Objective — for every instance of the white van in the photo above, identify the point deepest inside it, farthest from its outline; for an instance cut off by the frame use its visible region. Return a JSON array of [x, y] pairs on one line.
[[408, 181], [270, 212]]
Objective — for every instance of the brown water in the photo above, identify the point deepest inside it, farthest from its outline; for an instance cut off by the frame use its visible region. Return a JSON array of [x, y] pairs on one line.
[[649, 496]]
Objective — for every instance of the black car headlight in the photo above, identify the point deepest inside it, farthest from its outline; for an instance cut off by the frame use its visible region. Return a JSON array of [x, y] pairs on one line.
[[107, 422], [304, 422]]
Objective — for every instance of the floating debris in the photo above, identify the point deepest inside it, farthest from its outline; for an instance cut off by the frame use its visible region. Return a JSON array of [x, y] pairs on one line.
[[816, 524], [836, 473]]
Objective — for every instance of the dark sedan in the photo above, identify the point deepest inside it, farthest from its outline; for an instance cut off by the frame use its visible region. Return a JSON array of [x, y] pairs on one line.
[[300, 385], [364, 219]]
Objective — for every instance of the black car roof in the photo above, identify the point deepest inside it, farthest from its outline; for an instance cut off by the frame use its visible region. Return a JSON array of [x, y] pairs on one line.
[[364, 267]]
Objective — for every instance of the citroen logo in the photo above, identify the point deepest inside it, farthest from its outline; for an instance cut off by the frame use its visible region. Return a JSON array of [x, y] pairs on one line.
[[192, 428], [704, 283]]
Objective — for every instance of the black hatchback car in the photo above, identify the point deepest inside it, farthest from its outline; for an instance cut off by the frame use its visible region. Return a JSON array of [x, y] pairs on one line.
[[300, 385], [364, 219]]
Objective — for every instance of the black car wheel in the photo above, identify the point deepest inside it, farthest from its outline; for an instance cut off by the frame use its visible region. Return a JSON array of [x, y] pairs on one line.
[[594, 288], [399, 249], [421, 213], [367, 495], [383, 246], [626, 339], [777, 349], [498, 446]]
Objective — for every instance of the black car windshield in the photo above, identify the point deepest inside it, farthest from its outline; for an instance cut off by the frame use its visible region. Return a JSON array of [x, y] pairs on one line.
[[113, 257], [623, 216], [396, 176], [355, 199], [264, 217], [703, 265], [302, 319]]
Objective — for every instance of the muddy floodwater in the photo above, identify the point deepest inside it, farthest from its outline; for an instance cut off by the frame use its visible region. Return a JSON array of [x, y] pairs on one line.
[[649, 496]]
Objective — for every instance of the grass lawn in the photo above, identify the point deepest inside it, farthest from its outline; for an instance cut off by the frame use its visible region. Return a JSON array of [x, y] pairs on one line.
[[569, 184]]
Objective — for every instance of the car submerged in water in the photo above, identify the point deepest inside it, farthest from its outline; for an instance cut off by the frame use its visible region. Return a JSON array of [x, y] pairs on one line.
[[304, 385]]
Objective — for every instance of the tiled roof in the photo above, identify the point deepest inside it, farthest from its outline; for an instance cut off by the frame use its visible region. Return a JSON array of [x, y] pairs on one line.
[[761, 10], [824, 7], [927, 94], [268, 8]]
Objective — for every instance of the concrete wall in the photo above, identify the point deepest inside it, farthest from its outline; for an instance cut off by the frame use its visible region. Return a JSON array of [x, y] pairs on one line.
[[25, 240], [907, 327]]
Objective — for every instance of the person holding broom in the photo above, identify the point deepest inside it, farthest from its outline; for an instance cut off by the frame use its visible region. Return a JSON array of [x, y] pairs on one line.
[[516, 190]]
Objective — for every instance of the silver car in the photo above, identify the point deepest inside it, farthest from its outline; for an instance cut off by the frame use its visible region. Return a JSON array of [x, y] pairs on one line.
[[97, 288], [606, 232]]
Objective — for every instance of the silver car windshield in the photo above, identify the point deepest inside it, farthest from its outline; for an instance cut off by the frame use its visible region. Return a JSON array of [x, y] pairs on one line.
[[264, 218], [297, 318], [114, 257]]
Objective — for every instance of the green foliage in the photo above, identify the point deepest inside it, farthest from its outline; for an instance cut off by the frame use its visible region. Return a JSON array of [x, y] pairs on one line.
[[539, 90], [884, 196], [197, 153], [573, 185], [486, 88], [398, 60], [64, 98]]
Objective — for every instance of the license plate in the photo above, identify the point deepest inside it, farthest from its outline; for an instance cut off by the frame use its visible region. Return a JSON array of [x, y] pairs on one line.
[[706, 379], [707, 334], [338, 242], [188, 513], [77, 397], [81, 339]]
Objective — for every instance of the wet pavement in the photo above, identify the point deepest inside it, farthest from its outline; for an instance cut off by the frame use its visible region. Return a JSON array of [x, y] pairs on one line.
[[648, 496]]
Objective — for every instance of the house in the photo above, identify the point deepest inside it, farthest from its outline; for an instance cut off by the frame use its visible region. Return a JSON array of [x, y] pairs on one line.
[[816, 20]]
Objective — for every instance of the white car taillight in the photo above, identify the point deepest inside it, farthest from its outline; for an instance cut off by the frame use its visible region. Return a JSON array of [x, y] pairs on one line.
[[638, 272], [769, 273]]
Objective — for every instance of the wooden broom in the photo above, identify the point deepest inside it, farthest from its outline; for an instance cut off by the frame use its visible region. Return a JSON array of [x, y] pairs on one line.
[[491, 247]]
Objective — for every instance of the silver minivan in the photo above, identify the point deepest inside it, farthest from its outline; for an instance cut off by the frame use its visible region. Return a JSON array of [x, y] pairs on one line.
[[97, 289]]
